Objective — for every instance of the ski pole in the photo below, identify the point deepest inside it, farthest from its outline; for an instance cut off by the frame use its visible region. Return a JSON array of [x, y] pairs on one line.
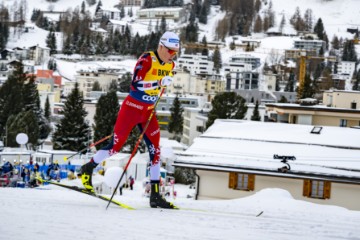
[[90, 146], [136, 146]]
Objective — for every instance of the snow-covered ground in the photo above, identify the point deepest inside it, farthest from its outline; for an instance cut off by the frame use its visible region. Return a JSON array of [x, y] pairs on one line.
[[50, 212]]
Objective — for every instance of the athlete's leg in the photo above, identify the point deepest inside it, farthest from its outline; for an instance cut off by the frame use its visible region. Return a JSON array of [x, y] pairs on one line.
[[152, 140], [129, 116]]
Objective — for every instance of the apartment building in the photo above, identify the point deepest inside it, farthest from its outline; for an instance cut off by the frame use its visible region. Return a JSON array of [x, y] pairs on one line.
[[309, 45], [340, 108], [195, 64], [87, 78], [346, 69], [129, 3], [39, 54], [177, 14]]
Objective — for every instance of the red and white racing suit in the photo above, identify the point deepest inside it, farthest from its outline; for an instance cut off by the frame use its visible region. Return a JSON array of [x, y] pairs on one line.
[[136, 110]]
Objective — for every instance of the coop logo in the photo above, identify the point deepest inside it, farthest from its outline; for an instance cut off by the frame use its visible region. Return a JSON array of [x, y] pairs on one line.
[[149, 98]]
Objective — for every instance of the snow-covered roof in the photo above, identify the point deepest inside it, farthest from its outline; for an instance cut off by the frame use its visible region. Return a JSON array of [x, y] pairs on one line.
[[110, 9], [252, 145], [119, 22], [161, 9]]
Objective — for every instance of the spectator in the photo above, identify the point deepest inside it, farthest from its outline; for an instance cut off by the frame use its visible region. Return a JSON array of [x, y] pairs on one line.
[[131, 182]]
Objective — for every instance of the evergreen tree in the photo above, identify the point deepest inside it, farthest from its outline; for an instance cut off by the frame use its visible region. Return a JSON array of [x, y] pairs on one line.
[[277, 84], [113, 86], [349, 53], [122, 12], [226, 105], [256, 115], [204, 12], [217, 59], [163, 25], [51, 42], [23, 122], [305, 89], [4, 27], [83, 7], [96, 86], [356, 85], [205, 50], [290, 83], [35, 14], [335, 43], [32, 102], [191, 30], [98, 6], [184, 175], [47, 110], [125, 82], [319, 29], [176, 119], [232, 45], [283, 99], [73, 131], [100, 45], [67, 49], [257, 5], [105, 116], [11, 96]]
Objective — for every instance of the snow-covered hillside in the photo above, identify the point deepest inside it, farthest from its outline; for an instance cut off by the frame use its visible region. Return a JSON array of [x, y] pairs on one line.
[[54, 213], [337, 15]]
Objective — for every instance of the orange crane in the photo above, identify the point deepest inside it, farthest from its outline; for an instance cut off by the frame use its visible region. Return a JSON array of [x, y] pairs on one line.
[[302, 66]]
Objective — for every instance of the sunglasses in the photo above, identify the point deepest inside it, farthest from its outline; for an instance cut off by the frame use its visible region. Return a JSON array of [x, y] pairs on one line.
[[170, 51]]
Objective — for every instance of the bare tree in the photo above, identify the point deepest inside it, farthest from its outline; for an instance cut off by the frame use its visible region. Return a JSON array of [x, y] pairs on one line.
[[222, 29], [308, 19]]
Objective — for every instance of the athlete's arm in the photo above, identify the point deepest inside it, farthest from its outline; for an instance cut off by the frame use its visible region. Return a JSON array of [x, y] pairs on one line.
[[142, 66]]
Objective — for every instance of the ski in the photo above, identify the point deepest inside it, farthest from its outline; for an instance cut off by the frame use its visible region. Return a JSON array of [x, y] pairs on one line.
[[87, 192]]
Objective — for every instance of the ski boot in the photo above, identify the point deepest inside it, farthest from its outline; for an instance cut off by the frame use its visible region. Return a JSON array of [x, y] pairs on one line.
[[86, 172], [156, 200]]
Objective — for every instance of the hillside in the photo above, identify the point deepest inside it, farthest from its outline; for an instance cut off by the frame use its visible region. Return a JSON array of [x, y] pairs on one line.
[[337, 15]]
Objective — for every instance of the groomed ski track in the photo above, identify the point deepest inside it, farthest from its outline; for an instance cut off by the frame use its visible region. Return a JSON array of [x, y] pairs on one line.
[[57, 214]]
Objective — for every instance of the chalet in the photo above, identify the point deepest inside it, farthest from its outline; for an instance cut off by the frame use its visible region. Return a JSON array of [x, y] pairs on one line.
[[117, 25], [110, 13], [236, 158]]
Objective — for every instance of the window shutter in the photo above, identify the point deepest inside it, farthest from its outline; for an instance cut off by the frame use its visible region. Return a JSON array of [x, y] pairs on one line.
[[233, 177], [307, 188], [251, 182], [327, 189]]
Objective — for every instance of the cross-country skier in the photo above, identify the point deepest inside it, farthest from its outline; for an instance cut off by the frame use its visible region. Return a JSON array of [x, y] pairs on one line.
[[152, 72]]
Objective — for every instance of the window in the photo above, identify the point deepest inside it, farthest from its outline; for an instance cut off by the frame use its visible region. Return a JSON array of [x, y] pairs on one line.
[[317, 189], [200, 129], [343, 122], [242, 181], [353, 105]]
